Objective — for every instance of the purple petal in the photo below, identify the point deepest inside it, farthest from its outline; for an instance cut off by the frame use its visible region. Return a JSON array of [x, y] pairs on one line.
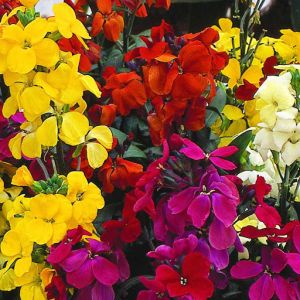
[[122, 264], [223, 163], [224, 208], [101, 291], [59, 253], [192, 150], [224, 151], [105, 271], [283, 289], [180, 202], [278, 260], [221, 237], [296, 237], [245, 269], [185, 246], [81, 277], [219, 258], [162, 252], [199, 210], [262, 289], [293, 259], [74, 260], [97, 246]]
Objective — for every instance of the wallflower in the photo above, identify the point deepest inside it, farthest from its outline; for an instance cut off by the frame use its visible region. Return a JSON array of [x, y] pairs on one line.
[[29, 47], [22, 177], [29, 3], [46, 221]]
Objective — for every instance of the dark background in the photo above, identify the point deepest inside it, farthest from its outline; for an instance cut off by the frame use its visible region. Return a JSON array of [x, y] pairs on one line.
[[193, 17]]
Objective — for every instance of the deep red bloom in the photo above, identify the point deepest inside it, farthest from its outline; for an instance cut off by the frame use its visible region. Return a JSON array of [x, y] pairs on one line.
[[191, 280], [103, 114], [57, 289], [120, 173], [126, 230], [246, 91], [84, 164]]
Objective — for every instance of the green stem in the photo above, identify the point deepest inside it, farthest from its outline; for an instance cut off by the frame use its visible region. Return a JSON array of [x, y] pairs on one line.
[[43, 167], [284, 192]]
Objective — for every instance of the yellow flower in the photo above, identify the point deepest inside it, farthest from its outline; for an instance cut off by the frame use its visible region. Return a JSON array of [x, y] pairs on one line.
[[251, 113], [233, 71], [292, 40], [96, 151], [29, 47], [275, 94], [47, 218], [67, 23], [16, 246], [86, 198], [22, 177]]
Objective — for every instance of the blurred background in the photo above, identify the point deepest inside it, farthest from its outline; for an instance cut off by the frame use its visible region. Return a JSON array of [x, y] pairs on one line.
[[194, 15]]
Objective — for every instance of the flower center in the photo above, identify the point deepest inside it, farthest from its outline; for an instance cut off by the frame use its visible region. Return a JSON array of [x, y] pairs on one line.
[[183, 281]]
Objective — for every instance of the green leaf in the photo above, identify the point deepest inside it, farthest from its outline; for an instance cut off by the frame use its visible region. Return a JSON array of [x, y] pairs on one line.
[[121, 136], [134, 152], [77, 151], [241, 141], [216, 106]]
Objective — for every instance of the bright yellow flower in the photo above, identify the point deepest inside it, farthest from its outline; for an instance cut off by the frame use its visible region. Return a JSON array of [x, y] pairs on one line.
[[22, 177], [7, 276], [67, 23], [97, 151], [292, 40], [86, 198], [233, 71], [29, 47], [16, 246], [47, 218], [251, 113]]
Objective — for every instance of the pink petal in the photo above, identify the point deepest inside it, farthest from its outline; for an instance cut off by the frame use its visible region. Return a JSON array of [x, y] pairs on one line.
[[296, 237], [224, 208], [81, 277], [245, 269], [221, 237], [223, 163], [283, 289], [278, 260], [224, 151], [199, 210], [74, 260], [293, 259], [105, 271], [262, 289], [268, 215], [180, 202], [192, 150], [101, 291]]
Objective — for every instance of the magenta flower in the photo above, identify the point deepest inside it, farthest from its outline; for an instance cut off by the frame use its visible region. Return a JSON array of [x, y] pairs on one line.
[[267, 273]]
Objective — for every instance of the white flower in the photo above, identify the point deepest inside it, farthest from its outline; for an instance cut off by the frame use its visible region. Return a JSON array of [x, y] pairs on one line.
[[291, 152], [44, 7]]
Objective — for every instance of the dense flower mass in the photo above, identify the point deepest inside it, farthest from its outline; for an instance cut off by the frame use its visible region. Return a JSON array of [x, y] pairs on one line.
[[146, 166]]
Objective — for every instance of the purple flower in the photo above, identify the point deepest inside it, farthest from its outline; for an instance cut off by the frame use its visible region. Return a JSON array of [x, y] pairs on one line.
[[269, 282]]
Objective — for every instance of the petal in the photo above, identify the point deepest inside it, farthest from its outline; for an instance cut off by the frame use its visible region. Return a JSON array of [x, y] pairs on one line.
[[31, 147], [90, 85], [195, 265], [47, 132], [278, 260], [47, 53], [96, 155], [21, 60], [75, 260], [245, 269], [100, 291], [296, 237], [105, 271], [81, 277], [102, 134], [224, 208], [199, 210], [262, 289], [192, 150], [224, 151], [223, 163], [293, 259]]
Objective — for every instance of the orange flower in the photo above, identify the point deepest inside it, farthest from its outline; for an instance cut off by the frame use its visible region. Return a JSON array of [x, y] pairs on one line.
[[121, 173], [107, 20], [127, 91]]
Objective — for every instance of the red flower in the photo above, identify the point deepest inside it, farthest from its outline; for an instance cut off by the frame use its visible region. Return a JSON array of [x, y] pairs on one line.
[[87, 57], [107, 20], [192, 280], [127, 91], [126, 230], [57, 289], [120, 173], [103, 114], [246, 91]]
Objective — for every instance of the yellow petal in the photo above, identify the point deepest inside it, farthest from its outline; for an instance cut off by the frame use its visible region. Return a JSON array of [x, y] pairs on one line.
[[102, 134], [90, 85], [96, 155], [47, 53], [10, 107], [31, 147], [35, 101], [232, 112], [225, 24], [13, 33], [44, 206], [21, 60], [29, 3], [74, 128], [79, 29], [253, 74], [59, 231], [22, 266], [35, 31], [10, 245], [32, 291], [47, 132], [39, 231], [64, 17], [22, 177], [77, 184], [233, 72], [15, 146]]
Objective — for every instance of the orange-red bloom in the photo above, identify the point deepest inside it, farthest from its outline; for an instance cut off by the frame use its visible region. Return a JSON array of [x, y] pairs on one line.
[[107, 20], [127, 91], [120, 173]]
